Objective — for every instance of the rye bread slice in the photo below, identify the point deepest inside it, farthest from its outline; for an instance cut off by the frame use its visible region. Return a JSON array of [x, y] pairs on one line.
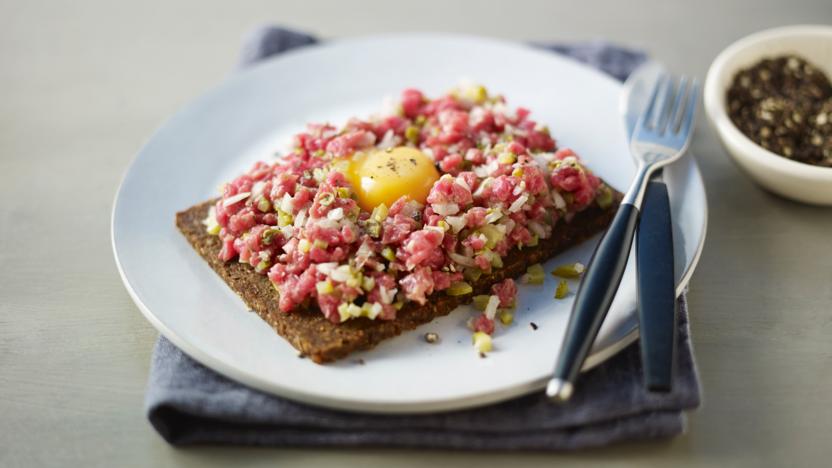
[[323, 341]]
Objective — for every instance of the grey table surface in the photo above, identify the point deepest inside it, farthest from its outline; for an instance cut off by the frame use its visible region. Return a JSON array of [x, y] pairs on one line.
[[83, 84]]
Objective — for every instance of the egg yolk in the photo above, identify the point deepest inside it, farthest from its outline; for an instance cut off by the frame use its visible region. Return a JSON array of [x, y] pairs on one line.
[[383, 176]]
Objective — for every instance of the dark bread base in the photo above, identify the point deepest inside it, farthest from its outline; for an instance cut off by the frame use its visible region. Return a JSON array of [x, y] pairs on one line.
[[323, 341]]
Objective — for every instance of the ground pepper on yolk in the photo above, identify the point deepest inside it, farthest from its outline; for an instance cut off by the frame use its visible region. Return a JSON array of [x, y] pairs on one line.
[[384, 176]]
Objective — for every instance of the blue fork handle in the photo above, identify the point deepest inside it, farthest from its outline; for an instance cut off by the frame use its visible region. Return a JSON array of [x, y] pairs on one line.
[[597, 290], [656, 289]]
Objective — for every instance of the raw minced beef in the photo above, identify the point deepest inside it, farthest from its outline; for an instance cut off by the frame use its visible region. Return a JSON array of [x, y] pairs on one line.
[[504, 184]]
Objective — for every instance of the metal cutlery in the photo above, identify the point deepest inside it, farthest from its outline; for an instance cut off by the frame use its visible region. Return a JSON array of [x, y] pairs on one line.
[[654, 250], [661, 136]]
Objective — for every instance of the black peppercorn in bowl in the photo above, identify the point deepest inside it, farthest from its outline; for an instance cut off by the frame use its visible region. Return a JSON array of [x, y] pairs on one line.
[[769, 98]]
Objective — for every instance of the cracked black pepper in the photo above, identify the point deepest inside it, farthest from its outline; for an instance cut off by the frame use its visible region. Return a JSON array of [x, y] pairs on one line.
[[784, 104]]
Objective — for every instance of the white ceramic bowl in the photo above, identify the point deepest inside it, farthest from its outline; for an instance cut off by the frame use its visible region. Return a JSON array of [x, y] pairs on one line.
[[798, 181]]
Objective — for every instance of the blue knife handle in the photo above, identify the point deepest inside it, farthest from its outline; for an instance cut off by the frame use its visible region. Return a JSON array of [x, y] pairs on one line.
[[656, 289]]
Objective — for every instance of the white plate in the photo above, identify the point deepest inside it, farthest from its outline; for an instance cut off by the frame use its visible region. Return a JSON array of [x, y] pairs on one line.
[[255, 111]]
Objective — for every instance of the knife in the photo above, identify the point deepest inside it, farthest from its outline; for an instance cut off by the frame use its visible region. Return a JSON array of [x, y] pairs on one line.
[[654, 251]]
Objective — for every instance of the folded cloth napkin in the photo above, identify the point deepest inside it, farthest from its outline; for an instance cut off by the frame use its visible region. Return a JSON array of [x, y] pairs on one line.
[[188, 403]]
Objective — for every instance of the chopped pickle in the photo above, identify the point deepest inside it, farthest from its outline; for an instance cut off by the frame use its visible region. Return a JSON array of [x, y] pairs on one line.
[[262, 266], [263, 205], [492, 235], [412, 134], [481, 301], [348, 311], [343, 192], [534, 274], [472, 274], [324, 287], [304, 245], [388, 253], [268, 235], [326, 199], [535, 240], [476, 94], [355, 280], [284, 218], [481, 341], [604, 197], [380, 213], [373, 228], [506, 158], [506, 317], [573, 270], [496, 260], [460, 288], [562, 290]]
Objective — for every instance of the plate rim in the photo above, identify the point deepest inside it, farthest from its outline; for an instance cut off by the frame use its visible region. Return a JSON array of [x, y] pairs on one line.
[[327, 401]]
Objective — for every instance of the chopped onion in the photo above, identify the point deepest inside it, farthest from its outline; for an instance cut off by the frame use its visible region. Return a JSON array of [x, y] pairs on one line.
[[341, 273], [518, 204], [519, 188], [326, 223], [336, 214], [210, 222], [290, 246], [476, 115], [457, 223], [257, 189], [286, 203], [374, 310], [538, 229], [235, 198], [387, 295], [485, 170], [445, 209], [326, 268], [491, 308], [300, 219], [560, 203], [483, 185], [462, 259], [435, 228], [494, 216], [388, 140], [542, 160]]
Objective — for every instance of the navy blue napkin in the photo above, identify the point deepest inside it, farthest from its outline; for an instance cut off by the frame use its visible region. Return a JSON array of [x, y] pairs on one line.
[[188, 403]]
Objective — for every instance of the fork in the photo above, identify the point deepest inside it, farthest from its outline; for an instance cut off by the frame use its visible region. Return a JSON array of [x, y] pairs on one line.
[[661, 136]]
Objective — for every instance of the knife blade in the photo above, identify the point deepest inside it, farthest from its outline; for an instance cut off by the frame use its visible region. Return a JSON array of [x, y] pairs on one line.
[[654, 251]]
